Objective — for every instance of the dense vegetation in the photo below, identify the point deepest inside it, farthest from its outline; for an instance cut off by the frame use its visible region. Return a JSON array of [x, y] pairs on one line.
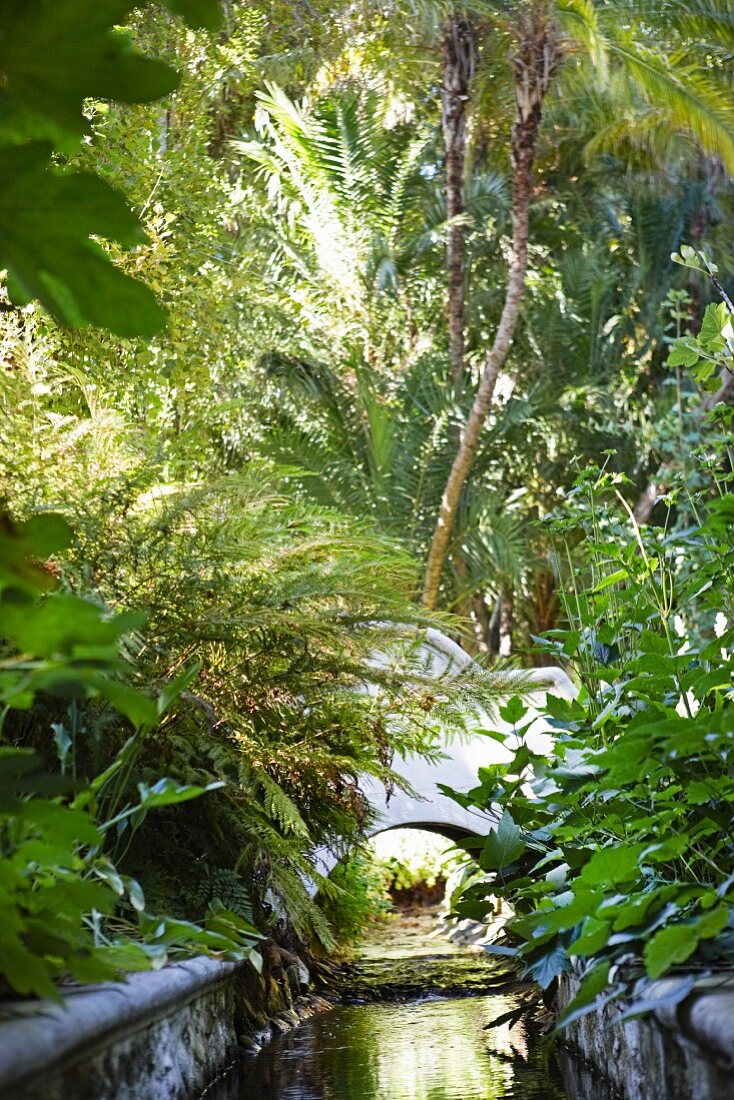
[[312, 314], [614, 847]]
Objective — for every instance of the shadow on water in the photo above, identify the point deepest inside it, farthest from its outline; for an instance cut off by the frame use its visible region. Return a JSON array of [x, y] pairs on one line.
[[434, 1048]]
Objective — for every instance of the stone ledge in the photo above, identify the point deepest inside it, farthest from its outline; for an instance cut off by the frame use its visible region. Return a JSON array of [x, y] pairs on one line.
[[705, 1017], [677, 1052], [49, 1036]]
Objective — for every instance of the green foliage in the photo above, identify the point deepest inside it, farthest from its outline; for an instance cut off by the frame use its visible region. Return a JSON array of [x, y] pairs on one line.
[[47, 218], [410, 858], [61, 895], [355, 897], [709, 353], [60, 644], [304, 284], [222, 886], [53, 57], [349, 221], [614, 846], [284, 608]]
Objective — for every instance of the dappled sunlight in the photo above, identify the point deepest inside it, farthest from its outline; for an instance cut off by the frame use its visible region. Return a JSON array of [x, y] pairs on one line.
[[366, 536]]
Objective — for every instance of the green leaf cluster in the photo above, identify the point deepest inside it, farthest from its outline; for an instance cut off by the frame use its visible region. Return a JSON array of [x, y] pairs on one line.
[[614, 848], [59, 888], [54, 57]]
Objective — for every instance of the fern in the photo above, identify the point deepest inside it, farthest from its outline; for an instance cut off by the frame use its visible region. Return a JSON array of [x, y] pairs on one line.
[[225, 885]]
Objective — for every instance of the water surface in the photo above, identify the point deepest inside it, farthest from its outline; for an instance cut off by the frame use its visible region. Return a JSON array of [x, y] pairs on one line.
[[410, 1037]]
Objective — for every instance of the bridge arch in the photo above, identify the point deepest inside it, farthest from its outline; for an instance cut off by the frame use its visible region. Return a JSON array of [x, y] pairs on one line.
[[423, 805]]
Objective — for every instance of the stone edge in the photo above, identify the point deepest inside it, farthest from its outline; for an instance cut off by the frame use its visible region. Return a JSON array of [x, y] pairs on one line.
[[705, 1017], [92, 1016], [693, 1039]]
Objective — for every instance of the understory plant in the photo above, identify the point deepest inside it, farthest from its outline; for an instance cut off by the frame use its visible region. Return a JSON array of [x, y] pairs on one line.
[[310, 677], [68, 909], [614, 846]]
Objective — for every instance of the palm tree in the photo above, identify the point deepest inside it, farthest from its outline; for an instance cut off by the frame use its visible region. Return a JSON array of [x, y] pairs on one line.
[[349, 216], [380, 449], [372, 429], [633, 38], [459, 59]]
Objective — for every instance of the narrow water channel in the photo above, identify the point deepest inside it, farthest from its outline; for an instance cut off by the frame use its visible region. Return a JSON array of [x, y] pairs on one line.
[[413, 1027]]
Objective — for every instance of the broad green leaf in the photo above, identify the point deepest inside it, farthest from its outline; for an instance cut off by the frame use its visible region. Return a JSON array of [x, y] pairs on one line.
[[669, 946], [73, 896], [167, 792], [63, 742], [124, 957], [46, 854], [21, 545], [198, 13], [503, 845], [64, 824], [122, 759], [135, 893], [138, 708], [715, 320], [15, 765], [55, 54], [682, 355], [677, 942], [617, 577], [221, 919], [594, 936], [48, 938], [473, 910], [93, 967], [594, 983], [173, 689], [44, 534], [24, 971], [46, 221], [513, 711], [615, 864], [107, 871], [549, 966], [713, 922]]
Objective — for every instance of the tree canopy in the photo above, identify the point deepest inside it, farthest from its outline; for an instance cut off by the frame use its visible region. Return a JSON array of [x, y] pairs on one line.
[[322, 325]]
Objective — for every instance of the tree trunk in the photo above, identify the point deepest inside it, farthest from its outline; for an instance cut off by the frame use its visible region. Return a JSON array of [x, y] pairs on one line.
[[534, 65], [459, 62], [462, 607], [482, 621], [507, 623]]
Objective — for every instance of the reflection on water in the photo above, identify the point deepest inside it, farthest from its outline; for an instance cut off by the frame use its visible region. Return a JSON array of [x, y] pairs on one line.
[[406, 1039], [430, 1050]]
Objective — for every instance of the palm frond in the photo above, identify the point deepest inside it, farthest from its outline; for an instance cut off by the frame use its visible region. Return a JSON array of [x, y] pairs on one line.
[[686, 93]]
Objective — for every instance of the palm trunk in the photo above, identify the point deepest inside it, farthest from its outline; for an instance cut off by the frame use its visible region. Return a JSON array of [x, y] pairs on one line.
[[507, 623], [534, 64], [482, 622], [459, 61]]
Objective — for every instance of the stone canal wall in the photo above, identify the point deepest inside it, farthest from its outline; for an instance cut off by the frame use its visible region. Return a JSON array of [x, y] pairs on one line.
[[161, 1035], [676, 1052]]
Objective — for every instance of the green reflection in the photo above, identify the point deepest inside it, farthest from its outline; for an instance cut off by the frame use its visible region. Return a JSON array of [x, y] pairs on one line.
[[401, 1047], [432, 1050]]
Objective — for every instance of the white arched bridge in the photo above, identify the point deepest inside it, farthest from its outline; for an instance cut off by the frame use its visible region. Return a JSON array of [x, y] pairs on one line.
[[423, 805]]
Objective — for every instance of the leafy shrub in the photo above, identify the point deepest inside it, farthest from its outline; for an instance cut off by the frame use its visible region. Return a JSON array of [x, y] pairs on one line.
[[284, 607], [615, 848], [67, 910], [53, 58], [354, 897], [409, 858]]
